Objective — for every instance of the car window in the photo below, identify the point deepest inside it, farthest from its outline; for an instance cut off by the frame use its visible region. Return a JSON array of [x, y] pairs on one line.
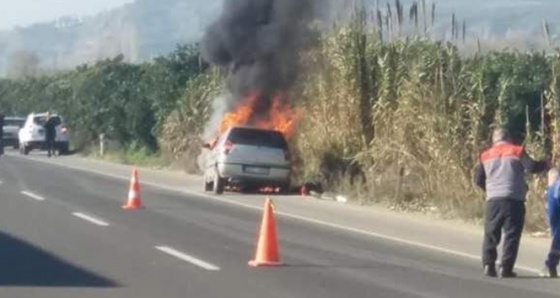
[[14, 122], [40, 120], [257, 137]]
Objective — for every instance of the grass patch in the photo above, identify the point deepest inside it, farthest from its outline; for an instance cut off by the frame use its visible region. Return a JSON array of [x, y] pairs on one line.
[[136, 157]]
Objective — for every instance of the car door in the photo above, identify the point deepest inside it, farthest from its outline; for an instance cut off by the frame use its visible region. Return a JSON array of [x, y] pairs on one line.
[[25, 131]]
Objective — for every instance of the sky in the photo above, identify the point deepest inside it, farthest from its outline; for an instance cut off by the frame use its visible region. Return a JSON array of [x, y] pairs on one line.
[[27, 12]]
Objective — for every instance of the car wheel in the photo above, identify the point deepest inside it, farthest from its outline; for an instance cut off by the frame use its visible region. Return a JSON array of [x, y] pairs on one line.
[[219, 184], [63, 149], [25, 150]]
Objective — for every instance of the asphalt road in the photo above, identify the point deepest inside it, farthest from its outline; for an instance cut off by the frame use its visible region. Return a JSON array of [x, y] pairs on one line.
[[63, 233]]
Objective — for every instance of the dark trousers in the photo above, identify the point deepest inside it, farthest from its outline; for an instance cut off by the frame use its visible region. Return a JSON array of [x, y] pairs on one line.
[[50, 145], [508, 215], [554, 221]]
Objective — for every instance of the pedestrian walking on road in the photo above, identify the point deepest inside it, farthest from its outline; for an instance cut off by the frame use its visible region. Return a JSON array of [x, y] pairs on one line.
[[501, 174], [553, 210], [50, 134]]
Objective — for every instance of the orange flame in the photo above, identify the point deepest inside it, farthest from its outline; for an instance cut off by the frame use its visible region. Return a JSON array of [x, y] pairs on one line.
[[280, 117], [241, 116]]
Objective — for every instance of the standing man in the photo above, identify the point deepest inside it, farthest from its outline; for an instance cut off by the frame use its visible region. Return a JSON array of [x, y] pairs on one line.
[[501, 174], [50, 134], [553, 207], [1, 133]]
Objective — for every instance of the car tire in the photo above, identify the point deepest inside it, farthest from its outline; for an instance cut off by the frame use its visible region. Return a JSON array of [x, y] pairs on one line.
[[63, 149], [219, 184], [25, 150]]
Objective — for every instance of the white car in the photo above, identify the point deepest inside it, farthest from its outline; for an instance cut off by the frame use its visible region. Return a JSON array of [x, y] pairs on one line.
[[247, 156], [11, 128], [32, 134]]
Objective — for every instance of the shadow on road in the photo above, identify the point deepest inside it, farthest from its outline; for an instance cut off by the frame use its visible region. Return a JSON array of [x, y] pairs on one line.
[[25, 265]]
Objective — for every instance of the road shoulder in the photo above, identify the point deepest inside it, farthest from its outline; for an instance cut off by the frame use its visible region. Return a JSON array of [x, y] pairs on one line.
[[419, 230]]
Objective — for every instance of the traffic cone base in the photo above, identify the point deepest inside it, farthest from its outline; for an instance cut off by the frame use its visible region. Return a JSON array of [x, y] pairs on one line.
[[255, 263], [132, 206], [267, 253]]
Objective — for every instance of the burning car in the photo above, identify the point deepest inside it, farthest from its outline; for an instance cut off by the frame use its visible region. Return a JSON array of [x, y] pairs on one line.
[[258, 45], [247, 156]]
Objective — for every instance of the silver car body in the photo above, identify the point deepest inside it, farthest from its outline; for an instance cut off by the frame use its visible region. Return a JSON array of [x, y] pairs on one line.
[[248, 155], [12, 125]]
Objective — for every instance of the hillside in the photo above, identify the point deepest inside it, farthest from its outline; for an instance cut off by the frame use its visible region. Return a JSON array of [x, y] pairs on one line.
[[141, 30], [148, 28], [490, 19]]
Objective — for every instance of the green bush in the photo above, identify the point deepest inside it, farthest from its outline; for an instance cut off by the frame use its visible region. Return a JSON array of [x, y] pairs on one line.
[[388, 117]]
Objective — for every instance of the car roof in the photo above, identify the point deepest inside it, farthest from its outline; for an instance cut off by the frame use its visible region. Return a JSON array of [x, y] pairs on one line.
[[35, 115], [252, 128], [44, 114]]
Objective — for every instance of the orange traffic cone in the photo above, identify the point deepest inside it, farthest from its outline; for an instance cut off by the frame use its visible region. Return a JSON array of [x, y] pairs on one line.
[[303, 191], [134, 201], [267, 253]]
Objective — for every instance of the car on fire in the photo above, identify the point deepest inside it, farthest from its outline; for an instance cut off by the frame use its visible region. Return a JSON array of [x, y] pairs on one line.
[[246, 156]]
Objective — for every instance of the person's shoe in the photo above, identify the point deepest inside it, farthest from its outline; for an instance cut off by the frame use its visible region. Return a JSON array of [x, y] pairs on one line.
[[490, 270], [551, 272], [507, 273]]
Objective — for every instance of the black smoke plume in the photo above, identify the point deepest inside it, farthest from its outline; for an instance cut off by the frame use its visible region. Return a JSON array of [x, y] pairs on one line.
[[258, 42]]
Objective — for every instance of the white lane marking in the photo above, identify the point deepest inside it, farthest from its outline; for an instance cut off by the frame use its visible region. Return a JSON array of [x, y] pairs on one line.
[[187, 258], [91, 219], [398, 240], [32, 195], [289, 215]]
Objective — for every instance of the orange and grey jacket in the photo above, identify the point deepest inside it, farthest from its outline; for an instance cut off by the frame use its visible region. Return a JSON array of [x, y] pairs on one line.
[[502, 169]]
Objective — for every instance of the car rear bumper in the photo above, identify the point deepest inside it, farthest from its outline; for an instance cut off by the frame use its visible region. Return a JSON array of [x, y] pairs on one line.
[[239, 173]]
